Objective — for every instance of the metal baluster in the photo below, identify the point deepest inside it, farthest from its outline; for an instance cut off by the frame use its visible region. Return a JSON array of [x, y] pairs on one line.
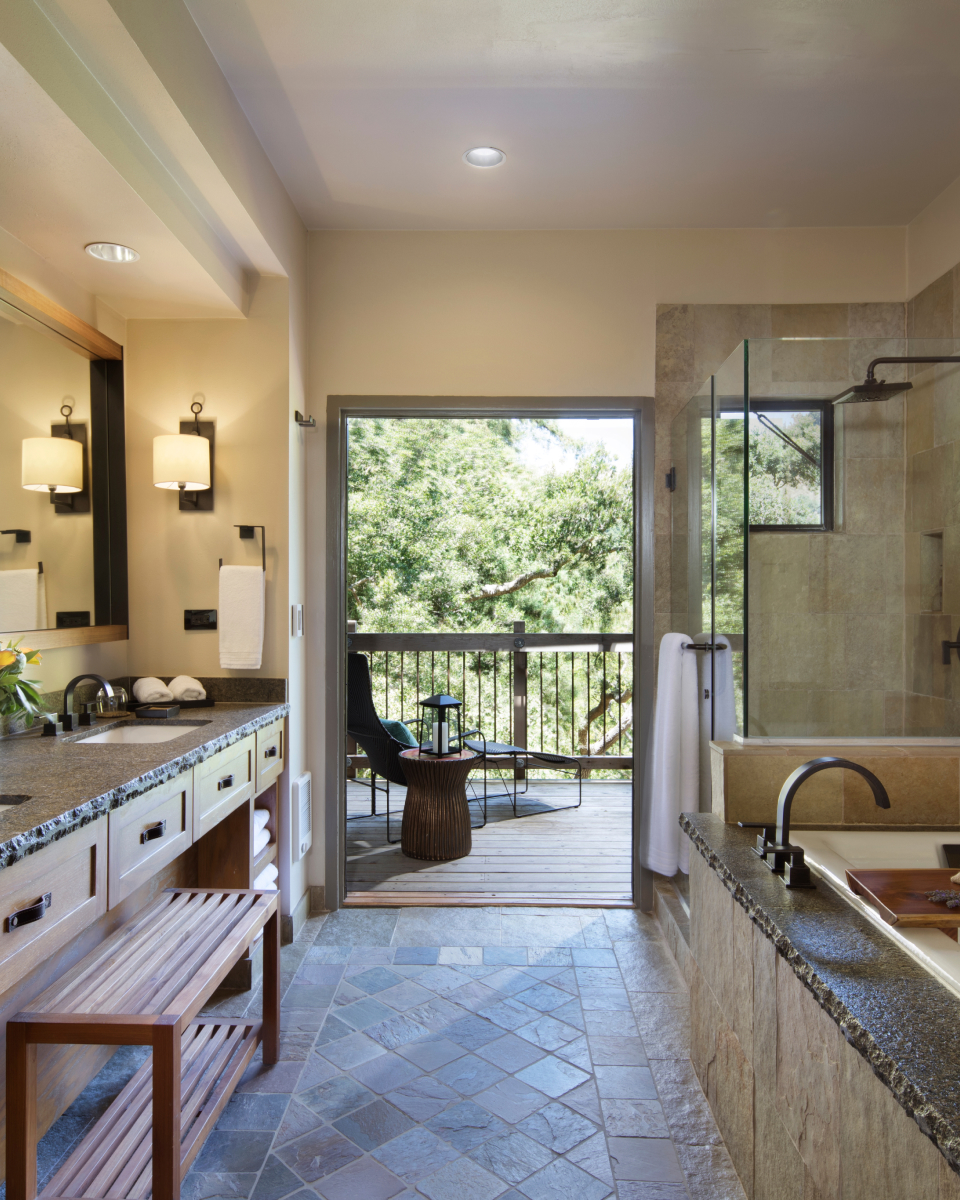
[[541, 699], [619, 702], [386, 684], [433, 673], [494, 695], [448, 672], [401, 686], [588, 703], [573, 715], [603, 695], [556, 696]]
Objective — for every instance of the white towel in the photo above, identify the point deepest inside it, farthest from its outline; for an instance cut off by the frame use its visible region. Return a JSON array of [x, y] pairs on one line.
[[23, 600], [267, 878], [149, 690], [673, 774], [185, 687], [716, 699], [261, 839], [260, 817], [240, 620]]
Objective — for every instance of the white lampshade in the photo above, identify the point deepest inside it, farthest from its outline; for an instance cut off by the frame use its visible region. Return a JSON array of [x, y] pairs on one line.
[[52, 463], [181, 460]]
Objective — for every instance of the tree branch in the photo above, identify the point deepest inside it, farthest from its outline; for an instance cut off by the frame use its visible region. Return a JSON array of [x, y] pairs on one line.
[[493, 591]]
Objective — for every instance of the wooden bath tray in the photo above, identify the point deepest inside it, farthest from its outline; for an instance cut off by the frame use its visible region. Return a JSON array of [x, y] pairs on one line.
[[899, 894]]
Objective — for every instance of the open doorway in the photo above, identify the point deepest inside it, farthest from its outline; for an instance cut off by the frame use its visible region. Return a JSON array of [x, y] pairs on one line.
[[492, 558]]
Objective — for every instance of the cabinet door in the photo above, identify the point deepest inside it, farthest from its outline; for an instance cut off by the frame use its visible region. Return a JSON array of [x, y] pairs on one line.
[[270, 753], [224, 782], [148, 833], [47, 898]]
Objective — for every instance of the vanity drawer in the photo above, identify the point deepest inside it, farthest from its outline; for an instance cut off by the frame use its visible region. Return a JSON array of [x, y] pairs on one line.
[[270, 748], [223, 783], [148, 833], [63, 887]]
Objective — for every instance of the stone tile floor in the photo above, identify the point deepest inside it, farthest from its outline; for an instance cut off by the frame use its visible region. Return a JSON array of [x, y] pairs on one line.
[[464, 1054]]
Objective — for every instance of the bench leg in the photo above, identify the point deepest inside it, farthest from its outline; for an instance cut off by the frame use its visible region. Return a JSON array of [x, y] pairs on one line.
[[21, 1114], [166, 1109], [271, 989]]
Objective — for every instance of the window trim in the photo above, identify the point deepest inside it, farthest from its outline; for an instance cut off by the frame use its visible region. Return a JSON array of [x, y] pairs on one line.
[[825, 408]]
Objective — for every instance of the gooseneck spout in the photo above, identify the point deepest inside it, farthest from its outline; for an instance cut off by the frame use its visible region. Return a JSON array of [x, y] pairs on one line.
[[67, 716], [802, 774]]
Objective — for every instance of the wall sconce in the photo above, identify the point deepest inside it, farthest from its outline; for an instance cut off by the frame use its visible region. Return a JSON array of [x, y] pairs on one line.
[[57, 465], [183, 462]]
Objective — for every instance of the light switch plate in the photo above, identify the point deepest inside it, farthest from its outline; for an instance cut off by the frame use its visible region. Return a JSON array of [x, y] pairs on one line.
[[296, 620]]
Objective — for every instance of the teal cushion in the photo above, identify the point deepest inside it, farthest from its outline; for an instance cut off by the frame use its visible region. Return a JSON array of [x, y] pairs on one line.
[[400, 732]]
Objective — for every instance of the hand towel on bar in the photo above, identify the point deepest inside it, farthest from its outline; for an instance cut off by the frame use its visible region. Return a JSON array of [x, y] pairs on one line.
[[261, 840], [242, 597], [23, 599], [149, 690], [267, 878], [260, 817], [185, 687], [717, 708], [673, 774]]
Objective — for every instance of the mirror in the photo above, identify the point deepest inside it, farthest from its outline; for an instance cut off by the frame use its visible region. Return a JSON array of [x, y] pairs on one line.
[[62, 553]]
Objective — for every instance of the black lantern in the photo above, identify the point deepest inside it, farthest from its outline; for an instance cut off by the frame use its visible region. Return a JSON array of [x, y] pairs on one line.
[[438, 714]]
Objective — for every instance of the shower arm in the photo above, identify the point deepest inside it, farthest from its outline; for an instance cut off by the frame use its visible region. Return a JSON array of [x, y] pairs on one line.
[[909, 358]]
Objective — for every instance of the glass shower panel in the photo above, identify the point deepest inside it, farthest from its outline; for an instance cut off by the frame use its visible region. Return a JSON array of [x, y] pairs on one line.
[[690, 573]]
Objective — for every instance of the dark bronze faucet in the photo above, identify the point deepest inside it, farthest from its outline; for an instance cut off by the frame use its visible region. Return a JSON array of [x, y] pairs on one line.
[[65, 720], [773, 845]]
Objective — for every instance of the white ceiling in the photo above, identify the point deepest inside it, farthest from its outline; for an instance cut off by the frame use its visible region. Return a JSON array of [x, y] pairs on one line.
[[613, 113]]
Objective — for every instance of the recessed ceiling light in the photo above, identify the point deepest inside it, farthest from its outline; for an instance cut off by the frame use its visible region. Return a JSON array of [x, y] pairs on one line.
[[111, 252], [484, 156]]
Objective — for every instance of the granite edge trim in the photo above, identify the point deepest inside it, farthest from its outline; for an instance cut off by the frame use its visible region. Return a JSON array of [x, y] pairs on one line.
[[21, 845], [908, 1095]]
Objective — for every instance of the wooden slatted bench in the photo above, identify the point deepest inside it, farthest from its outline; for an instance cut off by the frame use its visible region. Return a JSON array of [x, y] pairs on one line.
[[145, 986]]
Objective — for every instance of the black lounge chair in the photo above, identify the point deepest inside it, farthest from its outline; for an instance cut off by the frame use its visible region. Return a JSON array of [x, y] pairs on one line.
[[496, 752]]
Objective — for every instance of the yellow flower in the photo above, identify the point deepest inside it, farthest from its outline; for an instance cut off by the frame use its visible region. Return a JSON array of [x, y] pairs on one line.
[[7, 657]]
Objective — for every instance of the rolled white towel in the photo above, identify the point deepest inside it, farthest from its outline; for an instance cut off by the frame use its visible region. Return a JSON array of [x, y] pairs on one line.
[[185, 687], [260, 817], [149, 690], [261, 839], [267, 877]]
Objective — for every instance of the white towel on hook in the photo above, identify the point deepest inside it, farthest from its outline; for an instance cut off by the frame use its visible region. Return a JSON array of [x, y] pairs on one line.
[[241, 617], [717, 708], [149, 690], [23, 599], [674, 758], [185, 687]]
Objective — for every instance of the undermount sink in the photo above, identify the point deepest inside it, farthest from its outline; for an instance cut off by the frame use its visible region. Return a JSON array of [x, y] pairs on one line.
[[139, 734], [12, 801]]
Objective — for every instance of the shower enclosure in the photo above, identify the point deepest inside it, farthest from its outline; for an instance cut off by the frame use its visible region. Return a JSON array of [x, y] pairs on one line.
[[823, 539]]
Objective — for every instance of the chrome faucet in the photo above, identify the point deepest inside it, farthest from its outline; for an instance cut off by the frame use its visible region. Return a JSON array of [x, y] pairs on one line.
[[773, 845], [65, 720]]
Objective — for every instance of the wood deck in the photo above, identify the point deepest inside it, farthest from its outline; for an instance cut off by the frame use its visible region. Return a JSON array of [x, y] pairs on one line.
[[558, 856]]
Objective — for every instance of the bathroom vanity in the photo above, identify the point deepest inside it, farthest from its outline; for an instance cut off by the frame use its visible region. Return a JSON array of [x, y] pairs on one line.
[[829, 1052], [92, 829]]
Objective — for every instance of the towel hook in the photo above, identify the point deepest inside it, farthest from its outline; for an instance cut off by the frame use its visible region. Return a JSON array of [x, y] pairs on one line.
[[247, 531], [22, 535]]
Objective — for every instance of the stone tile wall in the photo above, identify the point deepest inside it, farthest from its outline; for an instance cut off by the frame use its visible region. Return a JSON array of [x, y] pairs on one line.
[[800, 1111]]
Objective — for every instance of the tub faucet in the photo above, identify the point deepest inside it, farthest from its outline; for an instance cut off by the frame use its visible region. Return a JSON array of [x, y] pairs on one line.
[[65, 720], [774, 847]]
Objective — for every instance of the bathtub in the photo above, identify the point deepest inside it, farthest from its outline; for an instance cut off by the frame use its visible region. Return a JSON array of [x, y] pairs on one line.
[[830, 853]]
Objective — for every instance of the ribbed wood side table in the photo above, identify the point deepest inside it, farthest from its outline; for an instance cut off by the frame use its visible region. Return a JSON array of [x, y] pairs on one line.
[[436, 816]]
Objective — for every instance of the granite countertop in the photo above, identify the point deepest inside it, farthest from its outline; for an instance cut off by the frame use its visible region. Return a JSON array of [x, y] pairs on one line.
[[903, 1021], [71, 785]]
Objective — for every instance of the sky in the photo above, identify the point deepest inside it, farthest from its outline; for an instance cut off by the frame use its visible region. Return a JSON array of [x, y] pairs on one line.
[[615, 433]]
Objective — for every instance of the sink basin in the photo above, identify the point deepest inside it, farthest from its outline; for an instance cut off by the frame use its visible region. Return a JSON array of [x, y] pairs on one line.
[[138, 734], [12, 801]]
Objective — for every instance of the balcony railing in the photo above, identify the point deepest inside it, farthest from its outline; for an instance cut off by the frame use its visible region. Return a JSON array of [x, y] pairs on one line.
[[569, 693]]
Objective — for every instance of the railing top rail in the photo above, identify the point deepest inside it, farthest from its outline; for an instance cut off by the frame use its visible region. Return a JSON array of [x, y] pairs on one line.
[[531, 642]]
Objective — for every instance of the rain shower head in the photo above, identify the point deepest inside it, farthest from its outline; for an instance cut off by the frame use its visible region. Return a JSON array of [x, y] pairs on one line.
[[879, 389]]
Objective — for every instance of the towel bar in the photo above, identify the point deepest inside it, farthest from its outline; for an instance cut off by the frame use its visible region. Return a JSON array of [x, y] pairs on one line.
[[246, 531], [703, 646]]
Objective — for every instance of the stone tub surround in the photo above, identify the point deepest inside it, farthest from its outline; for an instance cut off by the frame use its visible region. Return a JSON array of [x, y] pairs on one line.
[[71, 785], [815, 1038]]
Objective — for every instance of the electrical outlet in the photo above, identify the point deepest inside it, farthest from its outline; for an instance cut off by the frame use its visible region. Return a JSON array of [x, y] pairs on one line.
[[199, 618]]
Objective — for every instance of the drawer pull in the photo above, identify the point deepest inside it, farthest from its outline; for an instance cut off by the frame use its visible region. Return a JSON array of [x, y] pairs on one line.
[[26, 916], [270, 752], [225, 782], [153, 832]]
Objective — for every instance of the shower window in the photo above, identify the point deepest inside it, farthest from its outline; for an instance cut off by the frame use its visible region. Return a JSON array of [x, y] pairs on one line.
[[791, 466]]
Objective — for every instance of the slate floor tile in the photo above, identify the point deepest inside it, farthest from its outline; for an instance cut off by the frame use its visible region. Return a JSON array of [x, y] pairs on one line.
[[364, 1013], [604, 999], [571, 1014], [309, 995], [510, 980], [509, 1013], [298, 1120], [442, 979], [302, 1020], [594, 957], [651, 1191], [347, 994], [634, 1118], [405, 995], [431, 1051], [373, 1124], [626, 1083], [315, 1070], [332, 954], [597, 976], [357, 927], [319, 973], [561, 1180], [592, 1156], [469, 1075], [319, 1153], [558, 1127], [610, 1024], [511, 1099], [664, 1024], [461, 1180], [363, 1179], [234, 1151], [371, 956], [553, 1076], [549, 956], [461, 956], [510, 1052], [425, 956], [350, 1051], [512, 1156], [399, 1030], [336, 1097], [473, 996], [281, 1077], [515, 956], [684, 1104], [465, 1125], [585, 1100], [450, 927], [473, 1032], [709, 1173], [437, 1014], [422, 1098], [543, 997], [385, 1073], [576, 1053], [415, 1154], [275, 1180], [254, 1110], [518, 930], [652, 1159], [374, 979], [548, 1033], [332, 1030], [216, 1185], [617, 1051]]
